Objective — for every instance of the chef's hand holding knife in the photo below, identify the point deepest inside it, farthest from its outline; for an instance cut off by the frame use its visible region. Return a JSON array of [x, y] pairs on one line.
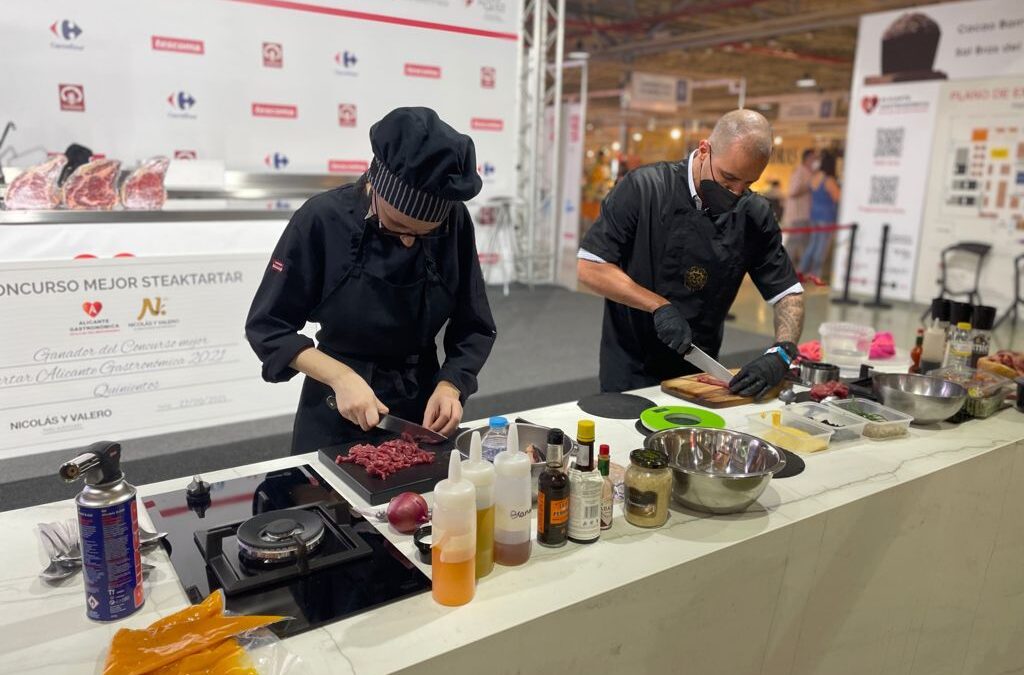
[[355, 399], [444, 409], [762, 374], [673, 329]]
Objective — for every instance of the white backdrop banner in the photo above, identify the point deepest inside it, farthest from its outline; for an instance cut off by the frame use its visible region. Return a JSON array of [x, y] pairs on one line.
[[128, 347], [903, 60], [976, 191]]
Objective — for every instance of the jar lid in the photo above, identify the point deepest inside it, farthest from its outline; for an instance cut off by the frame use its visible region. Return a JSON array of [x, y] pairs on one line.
[[649, 459], [585, 431]]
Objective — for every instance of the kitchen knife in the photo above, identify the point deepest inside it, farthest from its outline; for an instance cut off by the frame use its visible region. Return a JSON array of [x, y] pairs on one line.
[[397, 425], [699, 358]]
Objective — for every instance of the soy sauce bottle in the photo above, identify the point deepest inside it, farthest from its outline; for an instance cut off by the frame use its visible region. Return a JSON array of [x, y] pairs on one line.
[[553, 496]]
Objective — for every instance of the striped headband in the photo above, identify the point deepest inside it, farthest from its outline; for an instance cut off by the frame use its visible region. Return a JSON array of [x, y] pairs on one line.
[[410, 201]]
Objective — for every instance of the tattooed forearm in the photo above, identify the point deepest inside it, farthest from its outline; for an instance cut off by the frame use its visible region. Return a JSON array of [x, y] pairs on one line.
[[789, 318]]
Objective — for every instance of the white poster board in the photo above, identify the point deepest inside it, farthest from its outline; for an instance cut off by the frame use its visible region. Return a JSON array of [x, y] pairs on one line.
[[904, 60], [129, 347]]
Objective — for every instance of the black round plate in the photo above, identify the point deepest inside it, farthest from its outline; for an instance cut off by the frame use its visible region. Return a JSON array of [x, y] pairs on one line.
[[615, 406]]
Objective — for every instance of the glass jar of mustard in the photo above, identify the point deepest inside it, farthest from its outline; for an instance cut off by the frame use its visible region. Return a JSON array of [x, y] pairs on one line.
[[648, 488]]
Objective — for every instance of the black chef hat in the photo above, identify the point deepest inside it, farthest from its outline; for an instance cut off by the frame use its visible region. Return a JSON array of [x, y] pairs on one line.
[[422, 166]]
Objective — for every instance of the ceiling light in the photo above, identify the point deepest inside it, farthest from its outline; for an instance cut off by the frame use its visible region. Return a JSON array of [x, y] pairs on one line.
[[778, 140], [806, 82], [616, 146], [590, 154], [764, 106], [676, 134], [637, 137]]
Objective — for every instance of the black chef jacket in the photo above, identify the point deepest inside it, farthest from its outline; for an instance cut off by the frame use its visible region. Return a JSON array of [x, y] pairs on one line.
[[380, 306], [651, 227]]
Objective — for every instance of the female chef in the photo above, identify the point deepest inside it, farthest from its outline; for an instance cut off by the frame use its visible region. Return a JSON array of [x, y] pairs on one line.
[[381, 265]]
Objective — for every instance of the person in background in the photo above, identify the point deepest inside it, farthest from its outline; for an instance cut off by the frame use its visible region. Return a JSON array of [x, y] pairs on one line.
[[798, 204], [669, 252], [825, 195], [774, 196]]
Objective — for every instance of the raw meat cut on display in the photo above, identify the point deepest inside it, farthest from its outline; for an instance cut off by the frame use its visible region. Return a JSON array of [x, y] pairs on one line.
[[36, 188], [93, 186], [387, 458], [704, 378], [144, 188], [823, 390]]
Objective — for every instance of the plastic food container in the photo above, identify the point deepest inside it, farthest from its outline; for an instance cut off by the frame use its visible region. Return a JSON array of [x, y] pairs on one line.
[[793, 432], [894, 426], [846, 344], [845, 426], [985, 391]]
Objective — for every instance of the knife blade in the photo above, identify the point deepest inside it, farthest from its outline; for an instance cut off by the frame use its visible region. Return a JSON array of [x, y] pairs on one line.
[[397, 425], [699, 358]]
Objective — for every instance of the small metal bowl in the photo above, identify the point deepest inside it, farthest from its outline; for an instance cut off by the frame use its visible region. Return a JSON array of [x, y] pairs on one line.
[[927, 399], [529, 434], [717, 470], [816, 372]]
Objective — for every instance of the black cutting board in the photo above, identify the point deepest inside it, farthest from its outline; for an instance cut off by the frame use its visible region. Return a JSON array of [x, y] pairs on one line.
[[420, 478]]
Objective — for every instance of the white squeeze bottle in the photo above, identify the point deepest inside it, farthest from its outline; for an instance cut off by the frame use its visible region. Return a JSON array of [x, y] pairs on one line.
[[453, 552], [513, 504], [480, 473]]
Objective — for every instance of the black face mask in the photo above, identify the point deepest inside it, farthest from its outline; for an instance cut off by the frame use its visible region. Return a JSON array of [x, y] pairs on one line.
[[717, 199]]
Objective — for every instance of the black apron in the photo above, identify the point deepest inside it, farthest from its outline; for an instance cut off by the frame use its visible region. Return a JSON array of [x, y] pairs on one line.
[[699, 269], [387, 332]]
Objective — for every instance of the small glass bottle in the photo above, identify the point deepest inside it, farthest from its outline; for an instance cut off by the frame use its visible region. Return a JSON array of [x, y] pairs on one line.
[[915, 353], [553, 496], [960, 347], [648, 488], [608, 491], [585, 486]]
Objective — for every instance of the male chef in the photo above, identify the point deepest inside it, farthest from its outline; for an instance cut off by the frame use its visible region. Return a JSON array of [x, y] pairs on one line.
[[669, 251]]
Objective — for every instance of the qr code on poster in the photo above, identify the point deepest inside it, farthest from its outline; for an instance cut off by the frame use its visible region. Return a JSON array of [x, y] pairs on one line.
[[889, 142], [883, 190]]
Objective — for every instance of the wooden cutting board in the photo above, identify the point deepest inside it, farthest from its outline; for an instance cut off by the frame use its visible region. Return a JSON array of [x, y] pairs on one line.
[[708, 395]]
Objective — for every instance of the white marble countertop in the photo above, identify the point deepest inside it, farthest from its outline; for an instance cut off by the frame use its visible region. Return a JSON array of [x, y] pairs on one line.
[[43, 629]]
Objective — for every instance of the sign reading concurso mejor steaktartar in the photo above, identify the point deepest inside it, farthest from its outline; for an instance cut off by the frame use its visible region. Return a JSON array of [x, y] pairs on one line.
[[128, 347]]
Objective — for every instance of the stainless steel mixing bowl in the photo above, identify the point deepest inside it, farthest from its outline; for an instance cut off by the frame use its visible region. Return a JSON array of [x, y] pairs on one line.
[[927, 399], [528, 434], [717, 470]]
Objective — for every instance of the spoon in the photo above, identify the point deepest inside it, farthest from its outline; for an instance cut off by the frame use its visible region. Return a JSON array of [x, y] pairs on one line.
[[787, 396]]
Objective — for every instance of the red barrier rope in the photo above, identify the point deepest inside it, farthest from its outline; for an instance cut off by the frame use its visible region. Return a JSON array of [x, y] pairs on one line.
[[815, 228]]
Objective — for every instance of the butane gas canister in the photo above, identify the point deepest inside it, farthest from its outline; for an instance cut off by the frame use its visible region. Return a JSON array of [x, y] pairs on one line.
[[108, 522]]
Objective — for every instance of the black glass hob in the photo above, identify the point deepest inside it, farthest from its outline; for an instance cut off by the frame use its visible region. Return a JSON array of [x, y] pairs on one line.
[[305, 553]]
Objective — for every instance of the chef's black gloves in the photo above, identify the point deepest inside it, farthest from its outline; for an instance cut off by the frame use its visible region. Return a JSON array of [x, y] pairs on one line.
[[759, 376], [672, 329]]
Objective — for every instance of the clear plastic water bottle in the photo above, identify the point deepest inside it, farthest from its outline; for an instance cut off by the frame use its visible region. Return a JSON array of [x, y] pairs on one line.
[[960, 347], [496, 438]]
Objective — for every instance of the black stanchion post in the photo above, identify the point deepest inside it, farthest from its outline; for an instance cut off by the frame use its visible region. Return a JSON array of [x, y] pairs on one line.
[[877, 302], [846, 299]]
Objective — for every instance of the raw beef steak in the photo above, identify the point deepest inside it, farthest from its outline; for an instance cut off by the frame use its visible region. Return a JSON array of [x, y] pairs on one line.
[[93, 186], [36, 188], [144, 188]]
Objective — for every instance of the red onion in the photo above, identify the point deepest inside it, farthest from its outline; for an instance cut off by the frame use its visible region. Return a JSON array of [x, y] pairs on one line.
[[408, 511]]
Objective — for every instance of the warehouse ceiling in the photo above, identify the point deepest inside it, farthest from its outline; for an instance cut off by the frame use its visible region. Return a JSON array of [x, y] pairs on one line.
[[771, 43]]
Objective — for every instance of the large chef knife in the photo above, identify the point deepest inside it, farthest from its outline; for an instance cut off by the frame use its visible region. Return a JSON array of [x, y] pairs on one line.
[[397, 425], [699, 358]]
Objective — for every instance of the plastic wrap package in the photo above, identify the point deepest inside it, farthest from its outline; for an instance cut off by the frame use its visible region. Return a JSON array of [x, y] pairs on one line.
[[144, 187], [201, 640], [36, 188]]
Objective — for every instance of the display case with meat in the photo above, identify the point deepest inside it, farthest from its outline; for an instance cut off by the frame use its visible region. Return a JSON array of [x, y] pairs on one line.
[[144, 187], [36, 187], [93, 186]]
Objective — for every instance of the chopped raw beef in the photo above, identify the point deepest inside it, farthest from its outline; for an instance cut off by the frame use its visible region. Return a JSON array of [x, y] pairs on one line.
[[833, 388], [387, 458], [36, 188], [1010, 359], [144, 188], [704, 378], [93, 186]]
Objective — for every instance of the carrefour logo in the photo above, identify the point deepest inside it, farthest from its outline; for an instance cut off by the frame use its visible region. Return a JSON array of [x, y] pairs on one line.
[[486, 169], [66, 29], [346, 62], [276, 161], [181, 100]]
